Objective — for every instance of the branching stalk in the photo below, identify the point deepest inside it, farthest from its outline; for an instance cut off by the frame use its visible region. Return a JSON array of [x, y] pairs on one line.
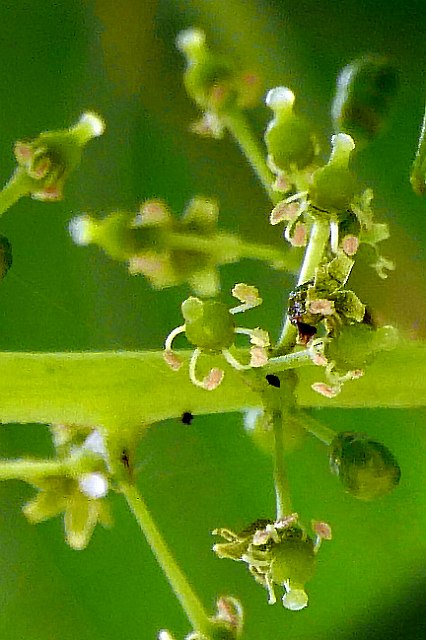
[[178, 581]]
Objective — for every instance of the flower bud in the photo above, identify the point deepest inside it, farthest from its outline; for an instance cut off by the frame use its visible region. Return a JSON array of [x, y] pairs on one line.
[[46, 162], [209, 79], [208, 324], [333, 186], [288, 138], [365, 91], [366, 468]]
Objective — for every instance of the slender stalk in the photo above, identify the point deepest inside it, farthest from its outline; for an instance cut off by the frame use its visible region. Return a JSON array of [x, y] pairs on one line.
[[25, 469], [314, 251], [16, 188], [282, 489], [178, 581], [238, 126], [317, 429], [289, 361], [231, 248]]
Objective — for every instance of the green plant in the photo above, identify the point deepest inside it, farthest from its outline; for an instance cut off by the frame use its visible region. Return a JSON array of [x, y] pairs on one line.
[[97, 420]]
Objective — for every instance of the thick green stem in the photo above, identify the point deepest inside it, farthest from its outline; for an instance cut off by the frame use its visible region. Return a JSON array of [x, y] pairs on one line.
[[16, 188], [130, 390], [238, 126], [179, 583], [314, 251], [282, 489]]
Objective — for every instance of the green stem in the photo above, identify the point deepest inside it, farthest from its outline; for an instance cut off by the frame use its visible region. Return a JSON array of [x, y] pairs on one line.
[[282, 489], [28, 470], [123, 390], [317, 429], [238, 126], [289, 361], [16, 188], [228, 248], [418, 170], [314, 251], [179, 583]]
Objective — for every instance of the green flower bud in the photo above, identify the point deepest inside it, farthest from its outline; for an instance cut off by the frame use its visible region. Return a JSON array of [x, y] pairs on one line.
[[333, 186], [208, 324], [209, 79], [46, 162], [366, 468], [288, 138], [365, 91]]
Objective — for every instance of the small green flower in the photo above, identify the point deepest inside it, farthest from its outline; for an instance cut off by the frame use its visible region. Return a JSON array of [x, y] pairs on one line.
[[80, 497], [45, 163], [81, 501], [289, 140], [210, 327], [276, 552]]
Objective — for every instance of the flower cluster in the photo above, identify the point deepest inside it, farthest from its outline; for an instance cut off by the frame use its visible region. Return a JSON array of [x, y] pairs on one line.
[[277, 552], [329, 194], [209, 326]]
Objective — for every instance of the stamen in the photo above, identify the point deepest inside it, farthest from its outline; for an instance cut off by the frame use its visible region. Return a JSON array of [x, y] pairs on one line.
[[230, 359], [172, 335], [334, 236]]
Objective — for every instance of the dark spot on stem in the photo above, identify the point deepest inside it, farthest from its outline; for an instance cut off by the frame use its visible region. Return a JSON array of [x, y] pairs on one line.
[[273, 380], [187, 417]]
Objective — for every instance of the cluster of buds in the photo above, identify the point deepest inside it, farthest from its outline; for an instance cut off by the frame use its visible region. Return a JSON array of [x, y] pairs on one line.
[[168, 250], [45, 163], [214, 84], [330, 195], [210, 327], [80, 496], [277, 552]]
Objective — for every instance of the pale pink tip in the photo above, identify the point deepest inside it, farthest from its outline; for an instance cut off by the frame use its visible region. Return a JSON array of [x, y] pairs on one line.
[[284, 211], [322, 529], [213, 379], [325, 389], [259, 357], [350, 245], [172, 360]]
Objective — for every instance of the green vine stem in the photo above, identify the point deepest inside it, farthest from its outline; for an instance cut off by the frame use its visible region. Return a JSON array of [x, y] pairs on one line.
[[239, 128], [16, 188], [282, 489], [131, 389], [314, 251], [182, 589]]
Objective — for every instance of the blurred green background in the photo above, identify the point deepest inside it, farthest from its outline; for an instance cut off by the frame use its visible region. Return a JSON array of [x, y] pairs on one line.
[[118, 58]]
